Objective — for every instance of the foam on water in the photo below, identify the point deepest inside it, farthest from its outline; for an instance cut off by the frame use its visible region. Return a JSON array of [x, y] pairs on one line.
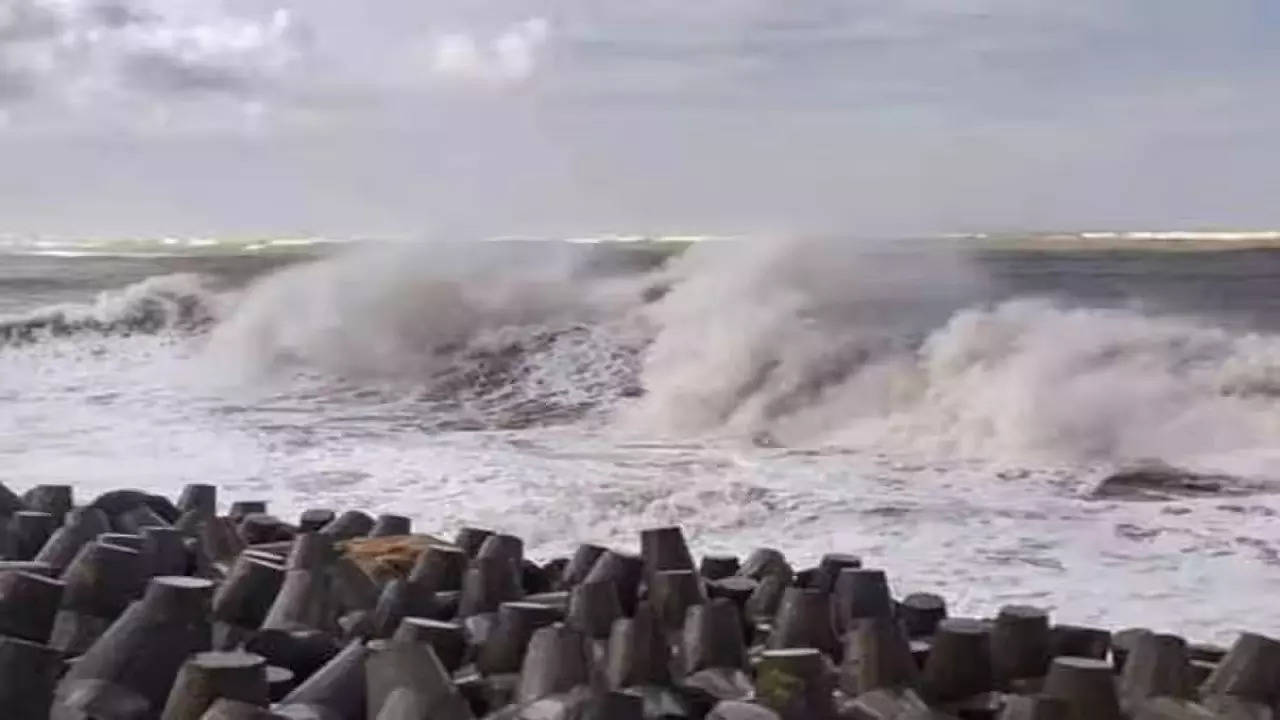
[[810, 396]]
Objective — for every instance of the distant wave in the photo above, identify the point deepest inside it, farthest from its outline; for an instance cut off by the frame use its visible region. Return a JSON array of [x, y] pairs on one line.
[[181, 302], [162, 246]]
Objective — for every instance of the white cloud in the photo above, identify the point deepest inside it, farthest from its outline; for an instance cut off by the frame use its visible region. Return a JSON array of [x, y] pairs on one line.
[[510, 56], [85, 52]]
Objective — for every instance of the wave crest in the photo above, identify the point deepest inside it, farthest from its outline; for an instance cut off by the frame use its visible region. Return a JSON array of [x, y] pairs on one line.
[[179, 302]]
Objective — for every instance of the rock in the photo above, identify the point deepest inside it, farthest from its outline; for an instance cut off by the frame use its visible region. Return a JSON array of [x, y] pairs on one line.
[[1164, 482]]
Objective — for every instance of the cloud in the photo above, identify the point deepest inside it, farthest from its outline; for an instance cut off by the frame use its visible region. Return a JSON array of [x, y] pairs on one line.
[[84, 52], [510, 56]]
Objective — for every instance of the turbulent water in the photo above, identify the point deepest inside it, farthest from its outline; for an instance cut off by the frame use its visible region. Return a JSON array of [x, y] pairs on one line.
[[943, 412]]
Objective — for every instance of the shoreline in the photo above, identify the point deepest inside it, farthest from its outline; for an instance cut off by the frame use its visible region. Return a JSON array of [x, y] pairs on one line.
[[172, 610]]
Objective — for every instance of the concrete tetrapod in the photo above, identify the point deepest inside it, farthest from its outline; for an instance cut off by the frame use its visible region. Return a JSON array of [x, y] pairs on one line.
[[143, 650], [437, 569], [861, 593], [664, 549], [877, 655], [624, 570], [765, 562], [830, 567], [712, 637], [920, 614], [1079, 641], [312, 520], [28, 531], [718, 567], [469, 540], [207, 676], [246, 595], [1250, 670], [507, 642], [200, 498], [959, 664], [79, 527], [638, 653], [97, 587], [794, 683], [54, 499], [672, 593], [1158, 665], [1086, 685], [28, 673], [28, 605], [766, 598], [225, 709], [579, 566], [391, 525], [490, 582], [304, 601], [1019, 644], [556, 662], [593, 607], [804, 620], [447, 639], [338, 686], [412, 667], [348, 525]]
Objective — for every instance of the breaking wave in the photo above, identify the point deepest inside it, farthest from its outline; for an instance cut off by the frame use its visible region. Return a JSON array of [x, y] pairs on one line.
[[179, 302], [805, 343]]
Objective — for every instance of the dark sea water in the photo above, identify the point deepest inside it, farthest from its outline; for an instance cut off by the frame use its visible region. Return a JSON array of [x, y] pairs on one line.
[[942, 411]]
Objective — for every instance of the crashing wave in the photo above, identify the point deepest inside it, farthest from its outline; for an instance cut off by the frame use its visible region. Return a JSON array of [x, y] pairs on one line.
[[790, 343], [179, 302]]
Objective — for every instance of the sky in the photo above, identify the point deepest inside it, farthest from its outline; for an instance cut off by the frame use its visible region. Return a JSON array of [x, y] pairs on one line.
[[446, 118]]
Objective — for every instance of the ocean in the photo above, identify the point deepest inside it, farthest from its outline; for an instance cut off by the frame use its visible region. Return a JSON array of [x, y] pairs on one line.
[[942, 409]]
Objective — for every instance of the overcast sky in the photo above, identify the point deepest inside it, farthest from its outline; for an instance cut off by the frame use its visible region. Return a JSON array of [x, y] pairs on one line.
[[483, 117]]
